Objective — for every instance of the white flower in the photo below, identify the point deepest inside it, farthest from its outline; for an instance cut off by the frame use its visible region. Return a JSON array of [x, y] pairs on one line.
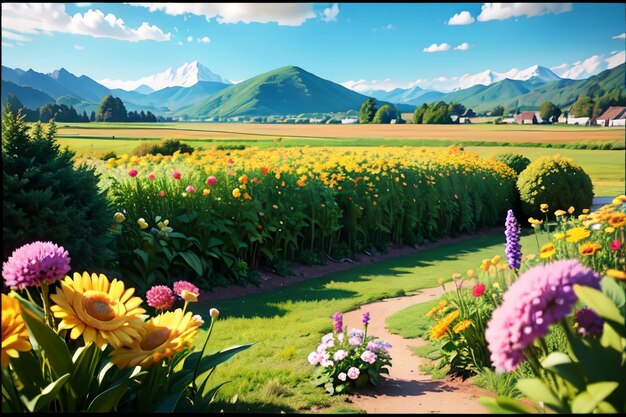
[[353, 373], [340, 354], [326, 363], [327, 337], [369, 357], [313, 358], [342, 376]]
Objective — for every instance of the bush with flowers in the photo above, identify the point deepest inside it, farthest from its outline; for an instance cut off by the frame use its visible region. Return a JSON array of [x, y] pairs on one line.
[[349, 359], [84, 342]]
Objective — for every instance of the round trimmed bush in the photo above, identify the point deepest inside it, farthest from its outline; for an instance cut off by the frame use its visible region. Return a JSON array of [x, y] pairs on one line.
[[515, 161], [556, 181]]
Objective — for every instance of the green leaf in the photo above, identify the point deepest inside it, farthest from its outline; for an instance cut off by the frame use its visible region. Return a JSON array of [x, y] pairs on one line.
[[586, 401], [48, 395], [537, 391], [562, 365], [614, 291], [193, 261], [108, 399], [143, 255], [211, 361], [503, 405], [52, 344], [599, 302]]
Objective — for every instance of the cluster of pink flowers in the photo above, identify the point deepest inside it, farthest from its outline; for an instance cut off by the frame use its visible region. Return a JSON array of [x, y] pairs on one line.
[[162, 297], [180, 286], [35, 264], [541, 296]]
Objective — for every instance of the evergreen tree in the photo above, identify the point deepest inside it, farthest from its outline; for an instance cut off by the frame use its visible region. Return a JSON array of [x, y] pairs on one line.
[[92, 117], [367, 111], [111, 109], [418, 115]]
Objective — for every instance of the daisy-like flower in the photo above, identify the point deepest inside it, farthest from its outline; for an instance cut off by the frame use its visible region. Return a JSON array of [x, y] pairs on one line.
[[440, 328], [14, 332], [617, 219], [589, 249], [163, 336], [102, 311], [462, 326], [547, 250], [576, 234]]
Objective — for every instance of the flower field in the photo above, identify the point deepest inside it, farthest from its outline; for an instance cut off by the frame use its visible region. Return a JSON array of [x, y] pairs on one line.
[[220, 215]]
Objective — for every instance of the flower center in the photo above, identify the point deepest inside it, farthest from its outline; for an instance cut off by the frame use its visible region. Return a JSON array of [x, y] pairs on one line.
[[99, 307], [155, 338]]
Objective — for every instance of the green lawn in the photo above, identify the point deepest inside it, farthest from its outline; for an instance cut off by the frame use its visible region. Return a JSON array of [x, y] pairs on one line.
[[273, 375]]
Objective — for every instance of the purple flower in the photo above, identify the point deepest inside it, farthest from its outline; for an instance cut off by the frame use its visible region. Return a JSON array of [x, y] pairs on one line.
[[366, 318], [513, 246], [540, 297], [378, 345], [588, 323], [368, 356], [338, 322], [355, 337], [353, 373], [179, 286], [34, 264], [160, 297]]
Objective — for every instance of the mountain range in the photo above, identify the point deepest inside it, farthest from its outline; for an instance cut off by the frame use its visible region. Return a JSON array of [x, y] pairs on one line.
[[193, 91]]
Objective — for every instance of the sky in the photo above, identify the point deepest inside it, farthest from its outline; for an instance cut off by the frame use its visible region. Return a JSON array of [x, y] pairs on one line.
[[363, 46]]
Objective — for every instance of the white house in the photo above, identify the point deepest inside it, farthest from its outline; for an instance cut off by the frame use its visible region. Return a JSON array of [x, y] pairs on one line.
[[613, 116], [349, 120], [528, 118], [581, 121], [508, 120]]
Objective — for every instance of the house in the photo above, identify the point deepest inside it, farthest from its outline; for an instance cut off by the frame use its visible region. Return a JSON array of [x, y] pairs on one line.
[[463, 119], [528, 118], [349, 120], [316, 120], [581, 121], [613, 116], [508, 120], [454, 118]]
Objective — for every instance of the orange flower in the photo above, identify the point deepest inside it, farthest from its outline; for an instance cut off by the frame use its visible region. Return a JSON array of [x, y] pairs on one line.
[[547, 250], [589, 249], [617, 219], [559, 213], [616, 273]]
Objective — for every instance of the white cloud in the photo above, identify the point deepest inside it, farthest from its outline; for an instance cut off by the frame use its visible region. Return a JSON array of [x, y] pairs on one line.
[[437, 48], [620, 36], [462, 47], [390, 26], [363, 86], [589, 66], [179, 43], [204, 39], [78, 47], [82, 4], [284, 14], [501, 11], [330, 14], [189, 38], [559, 67], [463, 18], [7, 45], [38, 18], [14, 36], [615, 60], [176, 29]]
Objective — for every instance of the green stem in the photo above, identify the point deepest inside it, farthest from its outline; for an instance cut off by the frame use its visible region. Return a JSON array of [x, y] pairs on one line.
[[195, 372], [47, 315]]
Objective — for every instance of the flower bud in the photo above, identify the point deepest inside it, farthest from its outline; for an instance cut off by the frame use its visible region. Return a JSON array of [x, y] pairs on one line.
[[215, 313]]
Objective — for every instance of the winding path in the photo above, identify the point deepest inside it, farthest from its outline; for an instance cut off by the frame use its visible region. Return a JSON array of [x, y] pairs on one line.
[[406, 389]]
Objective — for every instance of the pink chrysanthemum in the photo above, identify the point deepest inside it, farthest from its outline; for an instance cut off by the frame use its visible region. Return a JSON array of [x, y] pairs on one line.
[[34, 264], [179, 286], [211, 180], [160, 297], [176, 175], [540, 297], [190, 189], [133, 172]]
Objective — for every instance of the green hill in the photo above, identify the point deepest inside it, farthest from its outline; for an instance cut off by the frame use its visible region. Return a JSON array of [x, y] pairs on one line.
[[31, 98], [283, 91]]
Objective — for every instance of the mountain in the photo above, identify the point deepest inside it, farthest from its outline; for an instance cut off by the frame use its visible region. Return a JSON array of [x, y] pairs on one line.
[[494, 93], [537, 73], [144, 89], [415, 95], [82, 86], [30, 97], [179, 97], [186, 75], [283, 91]]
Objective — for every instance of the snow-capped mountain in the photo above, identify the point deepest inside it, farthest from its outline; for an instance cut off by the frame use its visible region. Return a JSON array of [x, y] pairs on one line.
[[489, 77], [186, 75]]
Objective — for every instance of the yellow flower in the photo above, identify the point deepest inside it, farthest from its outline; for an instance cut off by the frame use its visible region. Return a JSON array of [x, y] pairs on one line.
[[142, 223], [535, 222], [206, 191], [462, 326], [102, 311], [589, 248], [617, 219], [471, 273], [544, 208], [558, 236], [616, 273], [495, 260], [496, 285], [163, 224], [236, 193], [119, 217], [585, 211], [609, 229], [619, 200], [559, 213], [442, 326], [14, 331], [190, 297], [485, 264], [571, 209], [576, 234], [436, 308], [547, 250], [582, 217], [440, 280], [163, 336]]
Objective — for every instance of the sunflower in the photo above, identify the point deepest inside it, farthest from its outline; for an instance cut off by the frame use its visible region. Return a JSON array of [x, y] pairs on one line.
[[617, 219], [442, 326], [14, 331], [462, 326], [589, 248], [547, 250], [576, 234], [102, 311], [165, 335]]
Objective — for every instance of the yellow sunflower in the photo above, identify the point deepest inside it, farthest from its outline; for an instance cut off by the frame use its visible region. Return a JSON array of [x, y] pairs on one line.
[[442, 326], [547, 250], [14, 331], [165, 335], [617, 219], [576, 234], [462, 326], [102, 311]]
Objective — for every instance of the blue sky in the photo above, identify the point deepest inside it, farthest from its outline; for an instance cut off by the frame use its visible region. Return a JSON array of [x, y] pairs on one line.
[[361, 45]]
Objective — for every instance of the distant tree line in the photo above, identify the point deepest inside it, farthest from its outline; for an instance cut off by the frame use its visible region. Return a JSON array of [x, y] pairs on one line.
[[368, 113], [596, 101], [438, 113]]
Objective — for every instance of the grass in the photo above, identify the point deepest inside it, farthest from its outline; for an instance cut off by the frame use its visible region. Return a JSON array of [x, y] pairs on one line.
[[274, 375]]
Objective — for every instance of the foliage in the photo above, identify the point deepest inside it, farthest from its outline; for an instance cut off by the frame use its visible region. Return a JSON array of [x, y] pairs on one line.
[[142, 116], [385, 114], [367, 111], [165, 147], [549, 112], [435, 113], [498, 111], [349, 359], [47, 198], [516, 162], [111, 109], [556, 181], [582, 107]]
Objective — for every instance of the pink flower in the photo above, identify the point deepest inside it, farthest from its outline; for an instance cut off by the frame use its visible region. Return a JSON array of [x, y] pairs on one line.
[[353, 373], [34, 264], [211, 180], [133, 172], [160, 297], [313, 358], [478, 290], [151, 176], [342, 376], [339, 355], [190, 189], [615, 245], [176, 175], [162, 194], [179, 286], [368, 356]]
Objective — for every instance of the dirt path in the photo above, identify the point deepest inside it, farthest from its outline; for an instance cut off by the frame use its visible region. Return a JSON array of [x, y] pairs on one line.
[[407, 389]]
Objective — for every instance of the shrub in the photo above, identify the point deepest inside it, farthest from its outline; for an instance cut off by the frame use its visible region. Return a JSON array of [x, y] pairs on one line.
[[555, 181], [166, 147], [230, 147], [47, 198], [516, 162]]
